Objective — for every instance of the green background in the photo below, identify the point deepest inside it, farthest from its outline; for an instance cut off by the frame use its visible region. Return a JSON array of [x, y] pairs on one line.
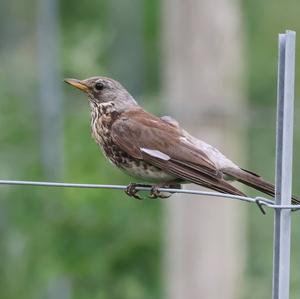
[[81, 243]]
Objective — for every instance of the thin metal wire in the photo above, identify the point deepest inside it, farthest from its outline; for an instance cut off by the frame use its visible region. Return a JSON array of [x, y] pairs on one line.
[[258, 200]]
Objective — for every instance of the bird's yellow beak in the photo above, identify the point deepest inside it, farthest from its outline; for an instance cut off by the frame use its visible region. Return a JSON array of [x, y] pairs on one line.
[[78, 84]]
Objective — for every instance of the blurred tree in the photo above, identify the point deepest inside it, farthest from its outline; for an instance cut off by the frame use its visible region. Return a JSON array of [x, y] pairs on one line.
[[203, 52]]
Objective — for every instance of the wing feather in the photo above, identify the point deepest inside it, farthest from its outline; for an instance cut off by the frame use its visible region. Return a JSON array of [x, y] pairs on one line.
[[144, 136], [192, 175]]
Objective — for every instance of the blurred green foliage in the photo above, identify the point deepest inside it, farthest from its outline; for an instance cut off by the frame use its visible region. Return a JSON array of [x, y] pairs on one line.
[[71, 243]]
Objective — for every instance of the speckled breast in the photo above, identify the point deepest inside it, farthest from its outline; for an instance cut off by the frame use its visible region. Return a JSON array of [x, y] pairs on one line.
[[101, 123]]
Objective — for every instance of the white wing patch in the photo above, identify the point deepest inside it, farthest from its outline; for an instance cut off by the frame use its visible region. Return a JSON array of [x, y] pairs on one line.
[[155, 153]]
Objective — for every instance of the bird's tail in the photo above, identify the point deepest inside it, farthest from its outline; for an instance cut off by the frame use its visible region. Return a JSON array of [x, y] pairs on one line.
[[255, 181]]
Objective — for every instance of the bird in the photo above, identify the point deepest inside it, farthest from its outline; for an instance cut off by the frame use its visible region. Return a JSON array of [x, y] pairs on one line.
[[157, 150]]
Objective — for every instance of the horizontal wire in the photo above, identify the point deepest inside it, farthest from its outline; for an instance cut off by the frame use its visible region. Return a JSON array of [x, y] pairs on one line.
[[259, 200]]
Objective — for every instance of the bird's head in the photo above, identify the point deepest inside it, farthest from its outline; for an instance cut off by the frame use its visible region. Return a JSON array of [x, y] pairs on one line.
[[102, 90]]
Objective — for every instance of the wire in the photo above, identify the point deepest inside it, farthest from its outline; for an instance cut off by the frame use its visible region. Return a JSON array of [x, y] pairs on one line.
[[261, 201]]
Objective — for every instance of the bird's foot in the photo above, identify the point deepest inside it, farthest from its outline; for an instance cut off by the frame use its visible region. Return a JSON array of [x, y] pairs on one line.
[[132, 191], [155, 193]]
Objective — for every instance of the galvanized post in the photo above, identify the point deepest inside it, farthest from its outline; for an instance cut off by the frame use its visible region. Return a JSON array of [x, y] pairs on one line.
[[284, 152]]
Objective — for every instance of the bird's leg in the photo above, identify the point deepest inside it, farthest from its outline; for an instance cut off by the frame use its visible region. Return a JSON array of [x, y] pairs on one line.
[[132, 192], [155, 193]]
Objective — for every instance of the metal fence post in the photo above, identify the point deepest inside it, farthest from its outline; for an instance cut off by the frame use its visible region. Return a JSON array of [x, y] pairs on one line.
[[284, 152]]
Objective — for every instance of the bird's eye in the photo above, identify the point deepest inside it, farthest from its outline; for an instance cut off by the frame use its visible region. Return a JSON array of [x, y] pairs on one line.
[[99, 86]]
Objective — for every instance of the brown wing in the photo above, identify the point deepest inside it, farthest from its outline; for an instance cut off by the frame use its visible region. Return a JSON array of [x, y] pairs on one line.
[[147, 137]]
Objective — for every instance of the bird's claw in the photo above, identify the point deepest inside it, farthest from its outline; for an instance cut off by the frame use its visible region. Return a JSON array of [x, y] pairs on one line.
[[155, 193], [132, 192]]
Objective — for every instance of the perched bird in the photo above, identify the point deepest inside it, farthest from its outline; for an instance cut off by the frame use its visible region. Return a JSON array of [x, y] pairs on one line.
[[154, 149]]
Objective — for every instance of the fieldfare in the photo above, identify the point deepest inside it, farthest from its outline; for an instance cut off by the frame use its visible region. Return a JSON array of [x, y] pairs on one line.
[[157, 150]]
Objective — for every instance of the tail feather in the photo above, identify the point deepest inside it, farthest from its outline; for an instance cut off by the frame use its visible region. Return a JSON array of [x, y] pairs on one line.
[[253, 180]]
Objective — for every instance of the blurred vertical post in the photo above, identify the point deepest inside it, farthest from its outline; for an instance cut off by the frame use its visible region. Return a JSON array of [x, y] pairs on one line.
[[126, 25], [203, 84], [50, 95]]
